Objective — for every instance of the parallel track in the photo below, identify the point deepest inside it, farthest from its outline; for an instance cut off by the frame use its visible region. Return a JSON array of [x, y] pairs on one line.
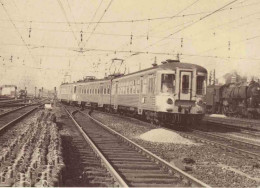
[[129, 163], [230, 144], [236, 124], [9, 118]]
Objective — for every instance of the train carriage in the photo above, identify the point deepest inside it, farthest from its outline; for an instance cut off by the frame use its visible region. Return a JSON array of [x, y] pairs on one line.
[[171, 92], [67, 93]]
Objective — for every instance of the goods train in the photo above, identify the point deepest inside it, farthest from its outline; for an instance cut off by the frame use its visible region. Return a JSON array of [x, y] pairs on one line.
[[234, 99], [168, 93], [8, 91]]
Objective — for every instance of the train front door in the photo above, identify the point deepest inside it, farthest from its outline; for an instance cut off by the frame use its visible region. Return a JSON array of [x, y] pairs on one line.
[[185, 85]]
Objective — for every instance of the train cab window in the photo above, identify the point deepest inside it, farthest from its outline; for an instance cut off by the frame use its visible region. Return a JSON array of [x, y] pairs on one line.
[[200, 85], [168, 83], [185, 83]]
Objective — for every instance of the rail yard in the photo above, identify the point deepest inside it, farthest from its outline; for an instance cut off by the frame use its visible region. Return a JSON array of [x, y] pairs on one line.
[[142, 129], [129, 93], [96, 148]]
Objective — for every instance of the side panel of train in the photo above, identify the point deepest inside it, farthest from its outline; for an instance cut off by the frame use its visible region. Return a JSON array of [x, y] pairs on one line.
[[66, 93]]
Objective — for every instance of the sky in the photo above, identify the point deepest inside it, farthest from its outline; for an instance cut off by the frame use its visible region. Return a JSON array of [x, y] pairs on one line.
[[42, 41]]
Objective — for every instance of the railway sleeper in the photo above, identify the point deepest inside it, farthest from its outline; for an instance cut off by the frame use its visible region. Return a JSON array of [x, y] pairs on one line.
[[124, 159], [163, 180], [134, 166], [133, 162], [155, 185], [146, 175]]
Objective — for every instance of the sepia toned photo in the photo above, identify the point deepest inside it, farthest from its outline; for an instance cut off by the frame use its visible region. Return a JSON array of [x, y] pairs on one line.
[[129, 93]]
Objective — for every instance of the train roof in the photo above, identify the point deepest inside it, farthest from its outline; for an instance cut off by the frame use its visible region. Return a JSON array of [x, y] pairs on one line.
[[168, 64], [173, 64]]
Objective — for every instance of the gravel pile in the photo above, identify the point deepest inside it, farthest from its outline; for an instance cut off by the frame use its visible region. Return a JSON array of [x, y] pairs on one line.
[[165, 136], [200, 160]]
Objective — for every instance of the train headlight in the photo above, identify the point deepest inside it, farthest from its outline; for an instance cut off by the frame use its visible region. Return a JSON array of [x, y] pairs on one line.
[[199, 101], [169, 101]]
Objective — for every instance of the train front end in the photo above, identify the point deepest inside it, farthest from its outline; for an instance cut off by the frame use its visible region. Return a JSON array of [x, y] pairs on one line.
[[182, 87]]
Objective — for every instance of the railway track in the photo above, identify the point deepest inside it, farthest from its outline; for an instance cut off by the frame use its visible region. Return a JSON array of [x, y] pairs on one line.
[[128, 163], [250, 131], [238, 124], [9, 118], [241, 147], [237, 146]]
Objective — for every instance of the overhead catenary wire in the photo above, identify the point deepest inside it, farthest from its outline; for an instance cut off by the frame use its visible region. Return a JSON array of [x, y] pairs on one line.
[[132, 53], [125, 21], [199, 20], [233, 43], [135, 52], [19, 34], [67, 20], [94, 15], [98, 22]]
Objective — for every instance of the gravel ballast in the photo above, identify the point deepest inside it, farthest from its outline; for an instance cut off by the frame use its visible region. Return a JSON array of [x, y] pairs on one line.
[[207, 163]]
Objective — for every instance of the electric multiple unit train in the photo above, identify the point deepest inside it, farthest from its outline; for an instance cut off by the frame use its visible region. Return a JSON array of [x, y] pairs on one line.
[[169, 93]]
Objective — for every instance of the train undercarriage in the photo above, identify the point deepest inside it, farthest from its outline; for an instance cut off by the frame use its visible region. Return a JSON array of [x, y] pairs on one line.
[[158, 118]]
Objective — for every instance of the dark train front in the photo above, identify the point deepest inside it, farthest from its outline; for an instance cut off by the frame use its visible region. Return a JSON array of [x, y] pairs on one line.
[[234, 99]]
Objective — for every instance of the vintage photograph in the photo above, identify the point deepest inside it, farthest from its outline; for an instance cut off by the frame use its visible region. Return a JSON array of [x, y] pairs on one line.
[[129, 93]]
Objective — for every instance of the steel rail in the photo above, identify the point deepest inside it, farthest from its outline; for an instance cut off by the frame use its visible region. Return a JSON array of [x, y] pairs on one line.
[[222, 146], [109, 167], [17, 119], [171, 169], [256, 146], [13, 110], [233, 123]]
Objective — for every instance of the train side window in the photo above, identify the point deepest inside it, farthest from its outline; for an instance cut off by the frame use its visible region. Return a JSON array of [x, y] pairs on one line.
[[116, 88], [75, 89], [108, 90], [105, 90], [200, 85], [142, 86], [151, 85]]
